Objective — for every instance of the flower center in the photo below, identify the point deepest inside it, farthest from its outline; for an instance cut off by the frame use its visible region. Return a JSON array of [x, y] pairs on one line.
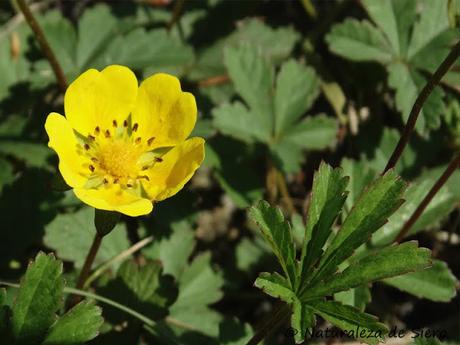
[[119, 159], [118, 156]]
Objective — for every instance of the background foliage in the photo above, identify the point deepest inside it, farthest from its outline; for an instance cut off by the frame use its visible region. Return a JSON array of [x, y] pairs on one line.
[[280, 87]]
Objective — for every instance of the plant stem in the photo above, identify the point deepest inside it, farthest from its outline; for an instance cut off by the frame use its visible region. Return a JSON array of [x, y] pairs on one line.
[[430, 195], [177, 11], [120, 257], [280, 313], [417, 107], [87, 266], [44, 45], [282, 186]]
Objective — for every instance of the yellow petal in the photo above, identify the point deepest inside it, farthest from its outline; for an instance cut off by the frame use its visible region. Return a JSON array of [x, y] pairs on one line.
[[62, 140], [97, 98], [163, 111], [114, 198], [169, 176]]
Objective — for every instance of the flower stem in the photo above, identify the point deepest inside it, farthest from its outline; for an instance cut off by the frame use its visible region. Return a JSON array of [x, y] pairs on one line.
[[417, 107], [44, 45], [453, 165], [87, 266], [280, 313]]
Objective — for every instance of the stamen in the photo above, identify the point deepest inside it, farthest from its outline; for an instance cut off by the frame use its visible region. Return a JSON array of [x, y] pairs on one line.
[[114, 123], [145, 167], [86, 146], [138, 140], [158, 159], [145, 176], [150, 141], [94, 159], [135, 127], [107, 133], [97, 130], [105, 181], [125, 123], [115, 180], [91, 167], [92, 138], [129, 185]]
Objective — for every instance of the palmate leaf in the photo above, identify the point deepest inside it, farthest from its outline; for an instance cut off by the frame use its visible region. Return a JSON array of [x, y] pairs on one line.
[[384, 263], [278, 234], [381, 199], [272, 114], [316, 272]]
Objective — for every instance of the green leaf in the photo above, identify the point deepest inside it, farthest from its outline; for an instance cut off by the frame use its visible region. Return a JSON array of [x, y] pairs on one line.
[[199, 286], [278, 234], [143, 288], [359, 41], [236, 121], [232, 332], [71, 235], [381, 199], [252, 76], [297, 87], [174, 251], [313, 133], [38, 299], [407, 84], [436, 283], [6, 173], [96, 28], [276, 286], [33, 154], [136, 50], [433, 20], [384, 263], [79, 325], [328, 196], [395, 19], [438, 208], [275, 44], [355, 323], [303, 319], [5, 314], [357, 297]]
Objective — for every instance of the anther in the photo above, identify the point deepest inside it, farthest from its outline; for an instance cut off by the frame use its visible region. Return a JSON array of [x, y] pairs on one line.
[[94, 159], [135, 127], [150, 141], [138, 140], [125, 123], [92, 138], [97, 130], [86, 146], [129, 185], [145, 176], [114, 123], [158, 159], [145, 168], [91, 167], [115, 180], [105, 181], [107, 133]]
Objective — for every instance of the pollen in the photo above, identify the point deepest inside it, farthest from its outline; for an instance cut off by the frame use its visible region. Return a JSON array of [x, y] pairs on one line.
[[118, 159]]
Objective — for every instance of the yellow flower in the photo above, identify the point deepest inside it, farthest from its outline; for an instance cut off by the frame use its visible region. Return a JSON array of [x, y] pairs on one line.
[[122, 147]]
